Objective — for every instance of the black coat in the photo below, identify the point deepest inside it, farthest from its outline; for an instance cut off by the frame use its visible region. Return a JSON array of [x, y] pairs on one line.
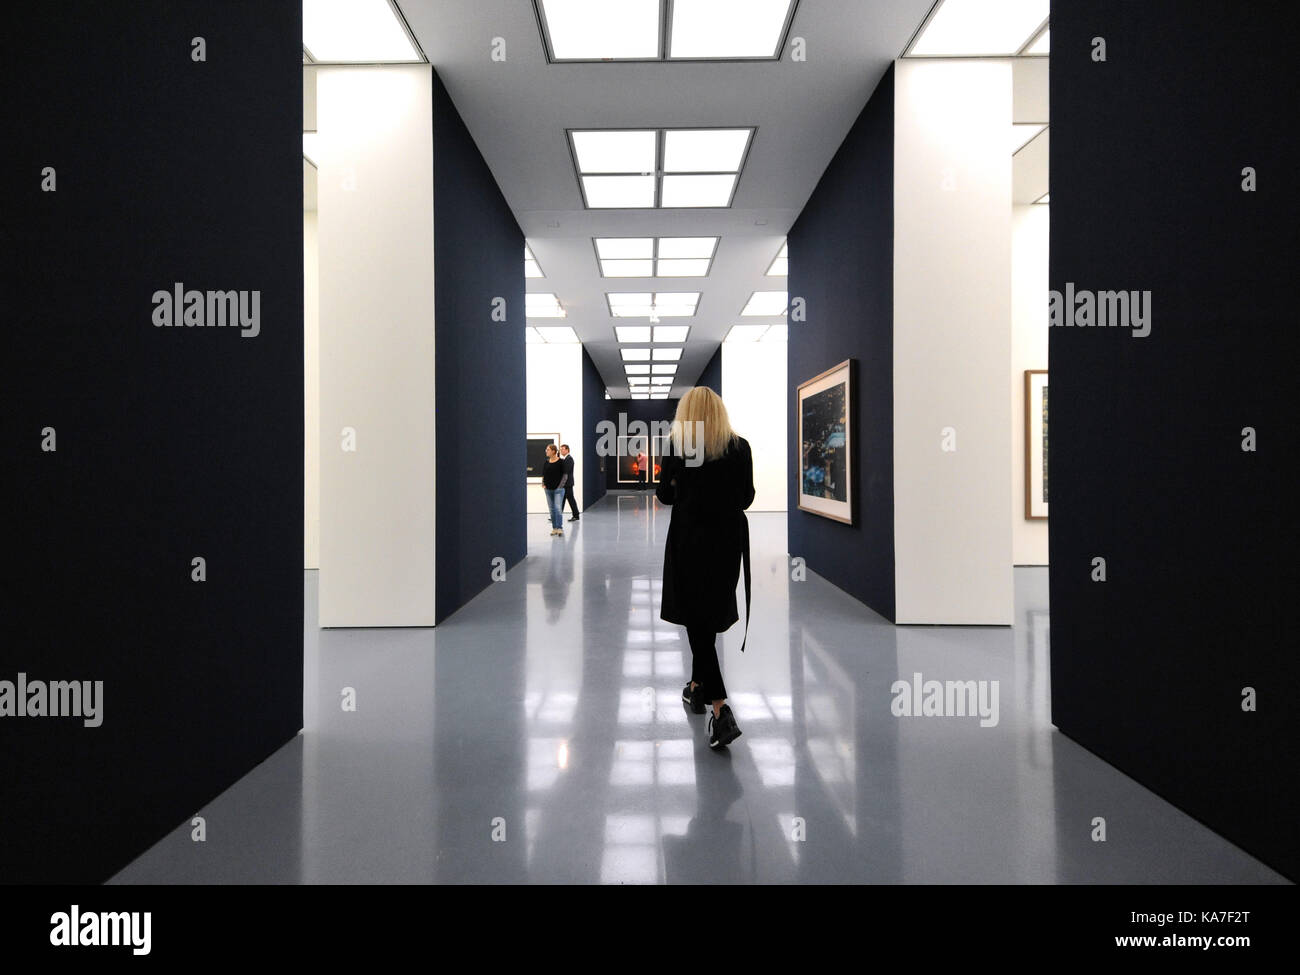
[[706, 536]]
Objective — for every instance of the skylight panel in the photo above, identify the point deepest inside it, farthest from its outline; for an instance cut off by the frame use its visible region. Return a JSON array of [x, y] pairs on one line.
[[624, 248], [727, 28], [682, 269], [619, 192], [746, 333], [980, 28], [704, 150], [766, 303], [618, 168], [542, 304], [345, 31], [687, 247], [597, 30], [697, 191], [615, 150], [627, 269]]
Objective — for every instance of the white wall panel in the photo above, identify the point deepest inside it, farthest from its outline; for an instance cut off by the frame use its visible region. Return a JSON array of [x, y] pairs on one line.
[[753, 386], [375, 199], [952, 342]]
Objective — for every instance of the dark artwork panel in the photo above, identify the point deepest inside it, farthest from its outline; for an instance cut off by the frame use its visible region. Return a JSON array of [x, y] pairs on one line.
[[536, 454], [824, 447]]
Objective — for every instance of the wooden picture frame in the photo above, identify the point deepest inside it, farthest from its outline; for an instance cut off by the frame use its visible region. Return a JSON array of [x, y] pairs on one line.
[[1036, 431], [825, 455]]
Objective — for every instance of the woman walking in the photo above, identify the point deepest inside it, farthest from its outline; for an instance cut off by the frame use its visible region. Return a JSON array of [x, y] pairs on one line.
[[709, 481], [555, 476]]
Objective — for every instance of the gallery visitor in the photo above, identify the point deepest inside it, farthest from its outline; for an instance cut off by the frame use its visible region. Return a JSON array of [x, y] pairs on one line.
[[555, 475], [708, 479], [569, 499]]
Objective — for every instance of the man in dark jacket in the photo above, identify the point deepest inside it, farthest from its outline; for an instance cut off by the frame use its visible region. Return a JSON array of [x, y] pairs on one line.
[[569, 499]]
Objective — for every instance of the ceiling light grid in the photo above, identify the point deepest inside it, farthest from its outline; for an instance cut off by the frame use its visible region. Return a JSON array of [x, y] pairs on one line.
[[655, 257], [659, 168], [769, 304], [542, 304], [664, 30], [980, 29], [652, 304], [357, 32]]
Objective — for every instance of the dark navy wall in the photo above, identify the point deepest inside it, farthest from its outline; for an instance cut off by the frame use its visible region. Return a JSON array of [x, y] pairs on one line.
[[479, 372], [593, 411], [172, 443], [1148, 667], [645, 410], [712, 374], [841, 263]]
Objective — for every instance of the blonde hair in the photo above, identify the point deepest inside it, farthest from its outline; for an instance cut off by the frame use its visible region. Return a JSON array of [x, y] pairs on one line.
[[703, 405]]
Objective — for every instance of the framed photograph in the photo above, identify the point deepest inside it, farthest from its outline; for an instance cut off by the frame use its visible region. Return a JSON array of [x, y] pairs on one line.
[[826, 443], [537, 444], [633, 460], [658, 450], [1035, 443]]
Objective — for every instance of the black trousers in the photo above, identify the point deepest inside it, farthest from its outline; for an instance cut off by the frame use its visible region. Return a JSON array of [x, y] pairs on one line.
[[570, 500], [704, 663]]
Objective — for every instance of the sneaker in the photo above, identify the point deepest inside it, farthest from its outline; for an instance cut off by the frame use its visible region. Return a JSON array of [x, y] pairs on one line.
[[574, 518], [695, 698], [722, 729]]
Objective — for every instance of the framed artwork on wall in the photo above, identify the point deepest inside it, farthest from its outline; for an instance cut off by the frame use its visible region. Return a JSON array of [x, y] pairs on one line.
[[658, 450], [633, 460], [1035, 443], [825, 405], [537, 444]]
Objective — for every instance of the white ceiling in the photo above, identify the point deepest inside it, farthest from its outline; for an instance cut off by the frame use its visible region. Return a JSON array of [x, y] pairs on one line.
[[518, 111]]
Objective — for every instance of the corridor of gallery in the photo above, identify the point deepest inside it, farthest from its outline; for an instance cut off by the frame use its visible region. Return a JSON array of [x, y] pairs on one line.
[[538, 735]]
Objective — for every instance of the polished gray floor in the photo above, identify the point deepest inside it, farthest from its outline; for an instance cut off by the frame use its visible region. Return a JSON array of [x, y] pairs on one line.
[[538, 735]]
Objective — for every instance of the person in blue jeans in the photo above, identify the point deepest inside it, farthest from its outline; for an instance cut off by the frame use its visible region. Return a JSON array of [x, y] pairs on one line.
[[555, 478]]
